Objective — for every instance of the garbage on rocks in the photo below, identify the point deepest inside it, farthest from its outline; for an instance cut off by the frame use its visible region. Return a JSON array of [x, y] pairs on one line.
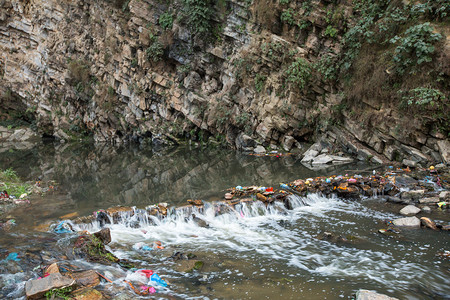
[[63, 227]]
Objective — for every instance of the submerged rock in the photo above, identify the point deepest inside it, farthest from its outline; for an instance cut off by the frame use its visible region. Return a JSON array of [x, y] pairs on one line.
[[370, 295]]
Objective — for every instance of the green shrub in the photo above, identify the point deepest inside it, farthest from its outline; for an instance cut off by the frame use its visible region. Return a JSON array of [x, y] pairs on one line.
[[330, 31], [288, 16], [299, 72], [199, 15], [166, 20], [415, 47], [260, 81], [423, 96], [155, 51]]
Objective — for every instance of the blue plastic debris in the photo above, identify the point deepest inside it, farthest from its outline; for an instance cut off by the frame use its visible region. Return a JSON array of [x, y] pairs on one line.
[[12, 256], [158, 280], [63, 227], [147, 248], [284, 186]]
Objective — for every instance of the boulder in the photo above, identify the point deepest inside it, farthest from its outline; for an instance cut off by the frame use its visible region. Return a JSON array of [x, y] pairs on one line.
[[409, 210], [309, 155], [428, 223], [87, 278], [413, 195], [288, 142], [104, 235], [444, 150], [407, 222], [244, 142], [37, 288], [429, 200], [369, 295], [426, 209], [260, 150], [444, 195]]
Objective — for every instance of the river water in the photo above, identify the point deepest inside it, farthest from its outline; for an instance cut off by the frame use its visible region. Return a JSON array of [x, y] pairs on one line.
[[252, 253]]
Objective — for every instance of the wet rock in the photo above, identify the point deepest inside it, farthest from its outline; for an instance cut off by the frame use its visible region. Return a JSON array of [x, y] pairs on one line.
[[409, 210], [394, 199], [117, 212], [87, 278], [426, 209], [36, 289], [332, 237], [188, 266], [89, 294], [407, 222], [413, 195], [429, 200], [405, 181], [53, 268], [428, 223], [244, 142], [200, 222], [104, 235], [369, 295], [91, 248], [444, 196]]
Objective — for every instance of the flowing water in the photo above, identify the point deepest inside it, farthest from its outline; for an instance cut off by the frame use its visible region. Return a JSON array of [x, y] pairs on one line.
[[252, 252]]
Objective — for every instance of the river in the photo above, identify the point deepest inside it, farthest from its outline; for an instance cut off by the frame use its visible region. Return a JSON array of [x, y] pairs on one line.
[[255, 253]]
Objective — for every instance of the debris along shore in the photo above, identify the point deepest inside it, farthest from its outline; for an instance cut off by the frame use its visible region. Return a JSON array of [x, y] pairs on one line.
[[87, 236]]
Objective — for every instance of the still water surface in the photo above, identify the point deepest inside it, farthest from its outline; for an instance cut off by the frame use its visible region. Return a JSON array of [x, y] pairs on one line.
[[256, 253]]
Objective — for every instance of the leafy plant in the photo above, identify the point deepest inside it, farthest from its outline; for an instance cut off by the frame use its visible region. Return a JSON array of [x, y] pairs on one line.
[[299, 72], [155, 51], [288, 16], [166, 20], [423, 96], [260, 81], [59, 293], [199, 15], [415, 47], [330, 31]]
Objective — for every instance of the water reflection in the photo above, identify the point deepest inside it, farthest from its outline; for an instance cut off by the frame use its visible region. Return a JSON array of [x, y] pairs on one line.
[[99, 176]]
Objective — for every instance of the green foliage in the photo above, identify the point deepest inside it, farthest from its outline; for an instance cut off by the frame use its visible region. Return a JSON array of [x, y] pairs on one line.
[[299, 72], [199, 15], [59, 293], [155, 51], [432, 9], [423, 96], [284, 2], [330, 31], [9, 174], [10, 181], [415, 47], [166, 20], [288, 16], [260, 81], [327, 67]]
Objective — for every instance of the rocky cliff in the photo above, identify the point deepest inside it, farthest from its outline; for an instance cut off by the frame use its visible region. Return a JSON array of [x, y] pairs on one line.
[[371, 76]]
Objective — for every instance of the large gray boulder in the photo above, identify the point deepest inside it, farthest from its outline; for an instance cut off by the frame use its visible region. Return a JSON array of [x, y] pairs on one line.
[[409, 210], [407, 222], [36, 289]]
